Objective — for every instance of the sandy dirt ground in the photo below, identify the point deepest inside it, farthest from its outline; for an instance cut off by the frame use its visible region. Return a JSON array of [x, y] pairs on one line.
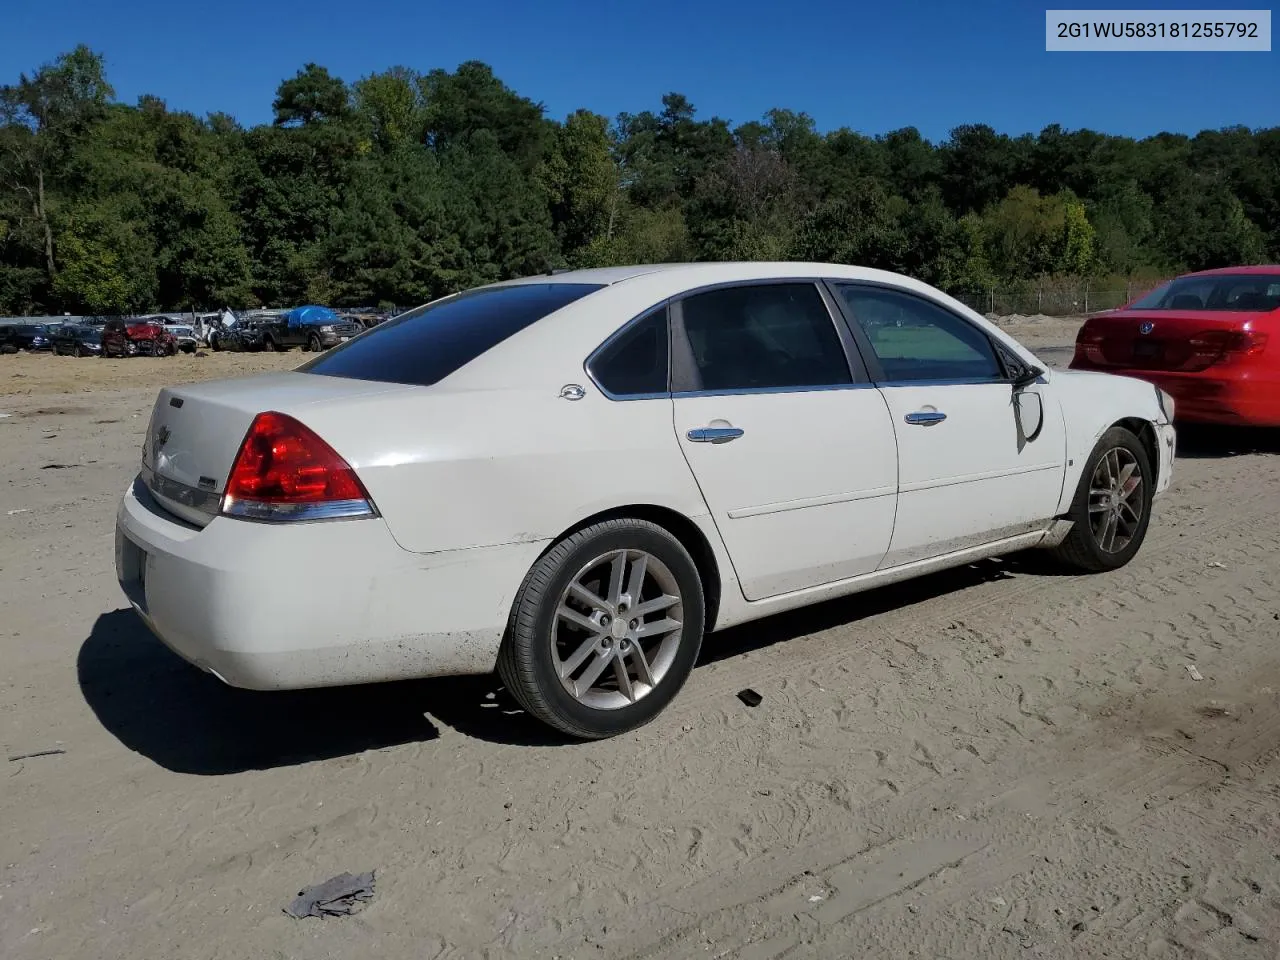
[[993, 762]]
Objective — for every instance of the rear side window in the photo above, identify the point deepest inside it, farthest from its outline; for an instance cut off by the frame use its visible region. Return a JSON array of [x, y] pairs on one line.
[[425, 345], [764, 336], [635, 362]]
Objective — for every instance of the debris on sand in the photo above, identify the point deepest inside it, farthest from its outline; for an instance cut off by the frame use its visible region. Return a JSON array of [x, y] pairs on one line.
[[750, 697], [342, 895], [1195, 674], [36, 753]]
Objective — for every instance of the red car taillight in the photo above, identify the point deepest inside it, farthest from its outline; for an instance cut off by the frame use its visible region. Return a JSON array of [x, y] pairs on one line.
[[1089, 344], [284, 471], [1224, 346]]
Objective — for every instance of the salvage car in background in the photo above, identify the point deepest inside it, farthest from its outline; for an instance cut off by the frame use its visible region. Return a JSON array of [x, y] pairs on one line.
[[245, 337], [9, 339], [1211, 339], [128, 338], [574, 477], [77, 340], [184, 334], [35, 337]]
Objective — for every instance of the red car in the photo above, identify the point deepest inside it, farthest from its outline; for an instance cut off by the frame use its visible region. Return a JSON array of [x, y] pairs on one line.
[[1210, 339], [122, 338]]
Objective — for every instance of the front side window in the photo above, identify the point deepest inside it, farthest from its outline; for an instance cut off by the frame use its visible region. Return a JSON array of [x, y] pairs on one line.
[[635, 362], [917, 340], [764, 336], [426, 345]]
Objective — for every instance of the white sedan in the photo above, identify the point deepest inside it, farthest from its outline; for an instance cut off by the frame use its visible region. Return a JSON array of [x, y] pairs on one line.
[[574, 477]]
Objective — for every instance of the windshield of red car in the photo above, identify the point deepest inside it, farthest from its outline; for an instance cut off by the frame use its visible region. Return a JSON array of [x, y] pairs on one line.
[[1251, 292]]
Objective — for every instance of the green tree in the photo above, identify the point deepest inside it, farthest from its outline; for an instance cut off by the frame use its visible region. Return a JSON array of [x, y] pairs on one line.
[[41, 117], [106, 262], [311, 96], [582, 182]]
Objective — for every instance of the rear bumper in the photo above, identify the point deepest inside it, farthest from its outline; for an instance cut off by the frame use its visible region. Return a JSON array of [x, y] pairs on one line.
[[1240, 402], [272, 607], [1246, 400]]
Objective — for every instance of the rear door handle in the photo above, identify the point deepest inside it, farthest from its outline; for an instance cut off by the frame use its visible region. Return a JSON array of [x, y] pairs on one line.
[[714, 434], [925, 418]]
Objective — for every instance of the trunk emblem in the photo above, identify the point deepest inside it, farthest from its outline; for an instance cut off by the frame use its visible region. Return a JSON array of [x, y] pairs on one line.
[[1146, 326]]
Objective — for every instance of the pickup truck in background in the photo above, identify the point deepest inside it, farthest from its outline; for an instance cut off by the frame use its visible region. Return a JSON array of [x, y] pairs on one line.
[[311, 328]]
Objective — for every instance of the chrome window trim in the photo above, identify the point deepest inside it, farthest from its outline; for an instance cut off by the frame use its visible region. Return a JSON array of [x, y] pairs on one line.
[[747, 391], [944, 382]]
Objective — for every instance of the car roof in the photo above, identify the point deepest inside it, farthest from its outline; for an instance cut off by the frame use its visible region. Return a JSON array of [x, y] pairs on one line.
[[1264, 268], [555, 346], [732, 270]]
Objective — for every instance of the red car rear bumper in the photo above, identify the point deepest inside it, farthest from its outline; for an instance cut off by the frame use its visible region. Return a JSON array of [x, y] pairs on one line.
[[1243, 399]]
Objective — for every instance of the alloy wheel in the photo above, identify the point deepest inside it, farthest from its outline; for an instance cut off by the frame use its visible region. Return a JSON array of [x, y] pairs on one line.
[[617, 629], [1116, 499]]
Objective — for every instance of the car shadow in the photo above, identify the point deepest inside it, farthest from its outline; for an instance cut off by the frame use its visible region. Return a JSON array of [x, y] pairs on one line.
[[1201, 442], [187, 721]]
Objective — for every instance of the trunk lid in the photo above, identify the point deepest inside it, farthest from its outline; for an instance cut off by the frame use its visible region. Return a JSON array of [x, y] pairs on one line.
[[196, 431], [1161, 340]]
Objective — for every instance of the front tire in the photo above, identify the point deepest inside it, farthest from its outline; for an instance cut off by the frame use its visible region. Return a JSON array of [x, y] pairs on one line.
[[313, 344], [1112, 505], [605, 629]]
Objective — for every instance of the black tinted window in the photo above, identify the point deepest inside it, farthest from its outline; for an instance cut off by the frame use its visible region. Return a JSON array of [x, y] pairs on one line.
[[771, 335], [636, 361], [917, 340], [425, 345]]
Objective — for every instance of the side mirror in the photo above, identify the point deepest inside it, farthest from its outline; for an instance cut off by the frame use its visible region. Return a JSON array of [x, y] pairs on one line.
[[1030, 411]]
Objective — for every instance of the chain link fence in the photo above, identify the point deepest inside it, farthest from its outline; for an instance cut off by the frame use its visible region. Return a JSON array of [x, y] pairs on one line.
[[1054, 298]]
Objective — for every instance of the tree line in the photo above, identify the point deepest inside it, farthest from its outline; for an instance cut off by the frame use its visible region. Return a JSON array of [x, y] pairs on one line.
[[404, 186]]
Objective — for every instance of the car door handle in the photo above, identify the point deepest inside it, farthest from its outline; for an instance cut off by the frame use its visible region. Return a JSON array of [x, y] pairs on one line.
[[925, 418], [714, 434]]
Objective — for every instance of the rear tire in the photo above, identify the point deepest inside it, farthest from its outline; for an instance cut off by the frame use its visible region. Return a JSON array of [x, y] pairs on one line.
[[1105, 535], [552, 628]]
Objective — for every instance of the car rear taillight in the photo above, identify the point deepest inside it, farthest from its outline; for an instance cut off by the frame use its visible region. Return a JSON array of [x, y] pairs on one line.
[[1089, 343], [1224, 346], [285, 472]]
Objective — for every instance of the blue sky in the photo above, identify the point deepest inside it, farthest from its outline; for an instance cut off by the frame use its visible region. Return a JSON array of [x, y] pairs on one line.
[[872, 67]]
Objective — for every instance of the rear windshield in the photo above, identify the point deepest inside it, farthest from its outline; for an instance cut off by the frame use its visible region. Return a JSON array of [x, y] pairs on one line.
[[425, 345], [1239, 291]]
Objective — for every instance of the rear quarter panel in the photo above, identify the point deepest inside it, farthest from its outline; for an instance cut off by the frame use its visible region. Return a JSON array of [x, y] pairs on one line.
[[456, 469]]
